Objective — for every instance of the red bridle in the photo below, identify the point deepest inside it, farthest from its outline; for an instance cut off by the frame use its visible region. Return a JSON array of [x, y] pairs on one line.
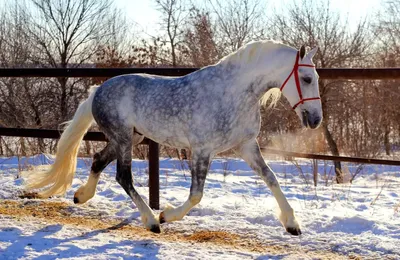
[[295, 71]]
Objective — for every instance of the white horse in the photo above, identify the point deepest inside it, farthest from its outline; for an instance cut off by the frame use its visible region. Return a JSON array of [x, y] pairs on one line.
[[208, 111]]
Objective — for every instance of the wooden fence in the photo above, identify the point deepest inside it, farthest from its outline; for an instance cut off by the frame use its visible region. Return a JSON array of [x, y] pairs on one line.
[[339, 73]]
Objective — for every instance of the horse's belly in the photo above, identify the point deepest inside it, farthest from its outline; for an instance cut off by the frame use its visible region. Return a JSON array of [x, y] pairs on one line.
[[175, 138], [170, 141]]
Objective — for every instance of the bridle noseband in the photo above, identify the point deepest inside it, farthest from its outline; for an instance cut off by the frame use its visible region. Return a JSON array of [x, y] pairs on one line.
[[295, 71]]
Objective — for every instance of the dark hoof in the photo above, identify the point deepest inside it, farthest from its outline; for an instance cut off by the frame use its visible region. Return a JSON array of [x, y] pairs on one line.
[[162, 219], [29, 195], [294, 231], [155, 229], [76, 201]]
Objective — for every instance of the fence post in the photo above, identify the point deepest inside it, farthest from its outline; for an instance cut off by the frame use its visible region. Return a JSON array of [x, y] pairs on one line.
[[154, 175]]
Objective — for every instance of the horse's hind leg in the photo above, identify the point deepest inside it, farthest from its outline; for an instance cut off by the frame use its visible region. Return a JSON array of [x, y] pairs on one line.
[[100, 161], [124, 178], [200, 164]]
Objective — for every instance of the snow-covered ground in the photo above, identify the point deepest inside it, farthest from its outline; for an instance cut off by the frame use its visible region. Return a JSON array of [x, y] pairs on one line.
[[237, 218]]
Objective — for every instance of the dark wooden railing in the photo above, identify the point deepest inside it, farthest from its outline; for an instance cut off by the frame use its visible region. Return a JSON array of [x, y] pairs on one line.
[[329, 157]]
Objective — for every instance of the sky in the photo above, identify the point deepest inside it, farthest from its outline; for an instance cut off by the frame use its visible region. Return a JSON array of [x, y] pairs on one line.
[[144, 15]]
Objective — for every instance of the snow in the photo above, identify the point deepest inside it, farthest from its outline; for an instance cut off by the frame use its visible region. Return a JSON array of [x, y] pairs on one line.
[[237, 218]]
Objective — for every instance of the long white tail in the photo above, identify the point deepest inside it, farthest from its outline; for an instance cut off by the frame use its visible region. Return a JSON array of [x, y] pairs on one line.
[[58, 178]]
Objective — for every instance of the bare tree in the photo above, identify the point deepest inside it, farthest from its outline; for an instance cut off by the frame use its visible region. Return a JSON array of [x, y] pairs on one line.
[[387, 27], [316, 24], [238, 22], [16, 95], [199, 39], [67, 33], [44, 33], [387, 32], [173, 13], [22, 100]]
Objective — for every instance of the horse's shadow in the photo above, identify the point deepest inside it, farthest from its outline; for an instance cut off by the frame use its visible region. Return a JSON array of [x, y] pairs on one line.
[[43, 246]]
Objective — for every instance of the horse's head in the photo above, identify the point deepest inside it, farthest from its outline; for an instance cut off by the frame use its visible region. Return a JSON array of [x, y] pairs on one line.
[[301, 89]]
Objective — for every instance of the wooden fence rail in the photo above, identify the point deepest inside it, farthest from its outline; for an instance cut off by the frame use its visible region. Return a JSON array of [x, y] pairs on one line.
[[52, 134], [330, 157], [324, 73]]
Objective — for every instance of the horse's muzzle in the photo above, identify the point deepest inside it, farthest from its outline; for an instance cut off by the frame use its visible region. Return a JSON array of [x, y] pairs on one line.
[[310, 120]]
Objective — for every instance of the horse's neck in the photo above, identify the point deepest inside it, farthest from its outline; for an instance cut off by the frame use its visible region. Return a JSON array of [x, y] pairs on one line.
[[256, 76]]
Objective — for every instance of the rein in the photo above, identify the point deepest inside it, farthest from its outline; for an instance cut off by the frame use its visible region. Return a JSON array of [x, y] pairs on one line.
[[295, 71]]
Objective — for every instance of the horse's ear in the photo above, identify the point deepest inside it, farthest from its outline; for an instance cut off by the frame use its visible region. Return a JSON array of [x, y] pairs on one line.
[[302, 52], [311, 53]]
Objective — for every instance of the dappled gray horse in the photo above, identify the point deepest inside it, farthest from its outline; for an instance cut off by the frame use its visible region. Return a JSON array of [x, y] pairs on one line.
[[208, 111]]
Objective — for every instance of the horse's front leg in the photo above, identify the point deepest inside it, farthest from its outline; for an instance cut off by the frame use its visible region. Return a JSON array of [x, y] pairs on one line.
[[199, 169], [250, 152]]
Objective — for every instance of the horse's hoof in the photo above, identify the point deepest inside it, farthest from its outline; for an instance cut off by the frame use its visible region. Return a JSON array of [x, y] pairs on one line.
[[155, 229], [161, 218], [76, 200], [29, 195], [295, 231]]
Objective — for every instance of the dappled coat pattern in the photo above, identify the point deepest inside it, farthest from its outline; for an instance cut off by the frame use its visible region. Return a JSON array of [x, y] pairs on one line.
[[208, 111]]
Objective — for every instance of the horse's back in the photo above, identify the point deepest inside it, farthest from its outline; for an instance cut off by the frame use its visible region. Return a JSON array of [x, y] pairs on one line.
[[154, 105]]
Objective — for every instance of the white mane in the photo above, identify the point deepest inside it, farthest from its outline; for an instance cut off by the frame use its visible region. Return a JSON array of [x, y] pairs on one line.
[[251, 52], [272, 97]]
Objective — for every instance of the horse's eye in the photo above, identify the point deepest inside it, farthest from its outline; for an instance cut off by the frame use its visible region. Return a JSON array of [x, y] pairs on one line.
[[307, 80]]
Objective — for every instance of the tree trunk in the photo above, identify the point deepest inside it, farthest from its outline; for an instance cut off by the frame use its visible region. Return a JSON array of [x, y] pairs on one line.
[[173, 55], [315, 171], [23, 146], [184, 154], [386, 140], [335, 151], [1, 146], [63, 100], [63, 85], [88, 147]]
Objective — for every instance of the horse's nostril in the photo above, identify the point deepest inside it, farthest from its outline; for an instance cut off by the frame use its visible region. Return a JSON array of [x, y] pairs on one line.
[[315, 122]]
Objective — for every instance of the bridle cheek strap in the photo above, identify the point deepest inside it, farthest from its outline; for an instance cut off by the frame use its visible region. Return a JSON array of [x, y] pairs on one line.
[[295, 72]]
